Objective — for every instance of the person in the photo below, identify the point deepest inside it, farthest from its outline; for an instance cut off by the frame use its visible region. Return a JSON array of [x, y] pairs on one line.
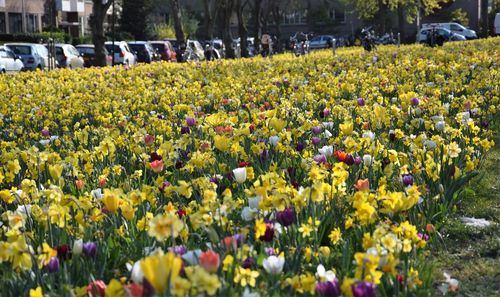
[[266, 42]]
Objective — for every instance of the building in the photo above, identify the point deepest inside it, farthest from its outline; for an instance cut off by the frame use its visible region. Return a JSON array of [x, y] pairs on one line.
[[18, 16], [29, 16]]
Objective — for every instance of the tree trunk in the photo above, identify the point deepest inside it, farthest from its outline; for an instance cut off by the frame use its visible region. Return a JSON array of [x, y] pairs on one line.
[[277, 23], [257, 23], [484, 18], [176, 15], [208, 20], [226, 7], [97, 27], [242, 29], [401, 21]]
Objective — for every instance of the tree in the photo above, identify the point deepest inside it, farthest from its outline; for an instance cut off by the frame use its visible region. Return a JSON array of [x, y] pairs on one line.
[[209, 17], [242, 27], [99, 11], [366, 9], [50, 15], [257, 21], [134, 18], [176, 16], [226, 7]]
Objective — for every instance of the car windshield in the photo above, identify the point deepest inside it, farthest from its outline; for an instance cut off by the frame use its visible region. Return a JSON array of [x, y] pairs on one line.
[[137, 47], [21, 49], [318, 38], [86, 50], [109, 47], [159, 46]]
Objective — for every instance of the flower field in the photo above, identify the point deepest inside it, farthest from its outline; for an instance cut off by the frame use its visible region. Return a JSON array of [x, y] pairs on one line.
[[310, 176]]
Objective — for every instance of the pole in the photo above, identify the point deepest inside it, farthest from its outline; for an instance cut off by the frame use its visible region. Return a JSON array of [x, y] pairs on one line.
[[23, 15], [334, 45], [399, 39], [113, 35]]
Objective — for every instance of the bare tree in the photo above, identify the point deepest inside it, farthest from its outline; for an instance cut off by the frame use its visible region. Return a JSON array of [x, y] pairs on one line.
[[257, 19], [99, 11], [242, 27], [226, 7], [210, 17], [176, 15]]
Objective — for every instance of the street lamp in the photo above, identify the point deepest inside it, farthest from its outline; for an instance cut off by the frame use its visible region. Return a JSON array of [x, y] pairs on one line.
[[113, 35]]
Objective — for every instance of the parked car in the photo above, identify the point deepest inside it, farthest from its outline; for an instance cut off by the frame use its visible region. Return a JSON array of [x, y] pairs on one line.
[[197, 49], [455, 28], [165, 49], [87, 51], [446, 34], [9, 62], [122, 52], [31, 55], [321, 41], [144, 51], [67, 56]]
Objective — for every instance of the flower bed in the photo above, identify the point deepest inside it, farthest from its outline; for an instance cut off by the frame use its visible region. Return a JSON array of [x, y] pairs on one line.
[[306, 176]]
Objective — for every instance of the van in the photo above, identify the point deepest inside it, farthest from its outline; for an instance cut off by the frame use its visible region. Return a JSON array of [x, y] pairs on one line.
[[497, 24], [455, 28]]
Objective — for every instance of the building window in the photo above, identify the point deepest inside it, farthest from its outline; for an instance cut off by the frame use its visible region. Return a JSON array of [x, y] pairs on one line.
[[3, 28], [340, 16], [15, 23], [295, 17], [31, 23]]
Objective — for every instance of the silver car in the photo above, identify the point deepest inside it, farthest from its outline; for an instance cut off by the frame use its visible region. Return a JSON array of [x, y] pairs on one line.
[[67, 56], [9, 62], [30, 54]]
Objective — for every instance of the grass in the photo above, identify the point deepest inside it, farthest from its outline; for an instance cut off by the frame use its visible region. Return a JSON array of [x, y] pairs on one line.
[[472, 255]]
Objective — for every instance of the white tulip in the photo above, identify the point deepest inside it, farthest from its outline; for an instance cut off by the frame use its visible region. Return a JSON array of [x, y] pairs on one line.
[[369, 134], [327, 134], [248, 213], [137, 275], [273, 264], [254, 202], [240, 174], [77, 247], [440, 126], [192, 257], [324, 275], [96, 194], [326, 151], [273, 140], [367, 160]]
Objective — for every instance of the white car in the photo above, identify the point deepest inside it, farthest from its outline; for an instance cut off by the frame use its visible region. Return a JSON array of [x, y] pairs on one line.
[[321, 41], [122, 52], [497, 24], [455, 28], [9, 62], [446, 34]]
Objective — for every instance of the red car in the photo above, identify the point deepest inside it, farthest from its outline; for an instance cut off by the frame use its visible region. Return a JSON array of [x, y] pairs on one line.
[[165, 49]]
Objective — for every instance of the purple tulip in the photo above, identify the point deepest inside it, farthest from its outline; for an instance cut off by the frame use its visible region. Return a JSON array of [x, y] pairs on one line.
[[316, 130], [407, 180], [361, 101], [326, 112], [270, 251], [349, 160], [414, 101], [90, 249], [357, 160], [316, 140], [45, 133], [190, 121], [214, 180], [53, 264], [364, 289], [178, 250], [185, 130], [248, 263], [328, 289], [239, 239], [299, 147], [320, 159], [286, 217], [269, 234]]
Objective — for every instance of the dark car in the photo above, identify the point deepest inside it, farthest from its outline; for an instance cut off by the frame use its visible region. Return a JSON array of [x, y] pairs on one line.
[[144, 51], [88, 53], [165, 49]]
